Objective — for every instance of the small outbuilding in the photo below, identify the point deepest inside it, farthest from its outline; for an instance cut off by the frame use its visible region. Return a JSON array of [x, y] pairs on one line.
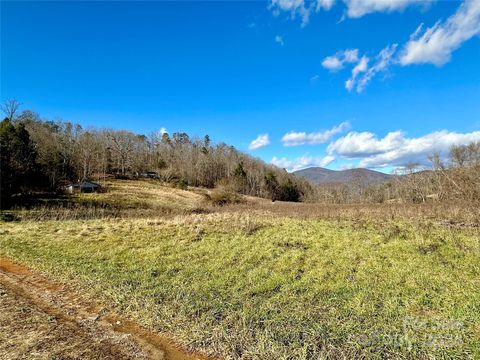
[[149, 174], [83, 187]]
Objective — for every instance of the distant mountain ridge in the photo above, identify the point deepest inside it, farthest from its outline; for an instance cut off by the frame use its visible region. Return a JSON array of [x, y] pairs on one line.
[[318, 175]]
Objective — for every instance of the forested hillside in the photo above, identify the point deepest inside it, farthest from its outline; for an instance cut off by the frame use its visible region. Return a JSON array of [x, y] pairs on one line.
[[318, 175], [43, 154]]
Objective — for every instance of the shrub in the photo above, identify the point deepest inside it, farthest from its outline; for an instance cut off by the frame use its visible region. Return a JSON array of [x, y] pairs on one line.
[[223, 194]]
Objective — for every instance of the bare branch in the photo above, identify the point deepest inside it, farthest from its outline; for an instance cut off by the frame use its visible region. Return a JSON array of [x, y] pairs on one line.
[[9, 108]]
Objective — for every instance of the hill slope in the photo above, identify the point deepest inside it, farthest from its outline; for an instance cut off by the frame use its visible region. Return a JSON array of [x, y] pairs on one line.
[[318, 175]]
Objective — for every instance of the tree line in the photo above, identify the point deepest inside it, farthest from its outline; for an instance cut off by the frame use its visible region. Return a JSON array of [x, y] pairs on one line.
[[454, 178], [44, 155], [39, 155]]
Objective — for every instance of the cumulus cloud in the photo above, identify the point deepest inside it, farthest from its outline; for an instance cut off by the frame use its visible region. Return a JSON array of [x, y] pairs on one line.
[[294, 138], [332, 63], [359, 8], [302, 162], [436, 44], [279, 40], [362, 144], [337, 61], [396, 149], [260, 142]]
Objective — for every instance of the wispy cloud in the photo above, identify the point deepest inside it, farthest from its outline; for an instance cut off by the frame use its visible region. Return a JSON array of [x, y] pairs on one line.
[[359, 8], [396, 149], [302, 162], [324, 5], [436, 44], [279, 40], [362, 73], [260, 142], [296, 8], [303, 9], [383, 61], [294, 138], [361, 67], [337, 61]]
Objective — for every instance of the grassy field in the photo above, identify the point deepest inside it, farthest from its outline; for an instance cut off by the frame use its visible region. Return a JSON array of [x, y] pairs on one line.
[[254, 282]]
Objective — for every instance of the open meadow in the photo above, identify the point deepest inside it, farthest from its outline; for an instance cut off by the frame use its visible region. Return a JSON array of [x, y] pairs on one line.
[[240, 180], [265, 280]]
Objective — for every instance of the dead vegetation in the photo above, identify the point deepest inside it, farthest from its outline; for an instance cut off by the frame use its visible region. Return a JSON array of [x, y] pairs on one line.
[[257, 279], [455, 178], [42, 319], [58, 153], [147, 199], [224, 194], [36, 329]]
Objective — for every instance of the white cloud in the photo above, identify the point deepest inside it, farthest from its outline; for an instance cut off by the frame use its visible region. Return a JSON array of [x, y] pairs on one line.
[[384, 60], [337, 61], [279, 40], [261, 141], [361, 144], [294, 7], [359, 8], [434, 45], [354, 8], [437, 43], [395, 149], [162, 131], [347, 166], [332, 63], [293, 138], [361, 66], [350, 55], [302, 162], [324, 4]]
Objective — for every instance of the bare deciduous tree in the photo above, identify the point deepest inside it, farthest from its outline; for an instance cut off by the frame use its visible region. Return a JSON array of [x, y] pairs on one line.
[[122, 145], [10, 108]]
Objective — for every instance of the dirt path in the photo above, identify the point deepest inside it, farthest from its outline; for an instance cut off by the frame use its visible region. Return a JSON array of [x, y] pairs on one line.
[[40, 319]]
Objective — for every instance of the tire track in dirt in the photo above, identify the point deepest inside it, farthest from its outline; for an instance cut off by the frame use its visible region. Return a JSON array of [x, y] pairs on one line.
[[121, 337]]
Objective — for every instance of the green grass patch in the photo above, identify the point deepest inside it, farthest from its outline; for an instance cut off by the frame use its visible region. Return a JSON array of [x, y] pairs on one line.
[[261, 287]]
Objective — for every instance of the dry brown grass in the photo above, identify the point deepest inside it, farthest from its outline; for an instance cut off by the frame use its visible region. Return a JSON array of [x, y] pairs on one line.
[[32, 332], [460, 214], [270, 280], [151, 199], [224, 195]]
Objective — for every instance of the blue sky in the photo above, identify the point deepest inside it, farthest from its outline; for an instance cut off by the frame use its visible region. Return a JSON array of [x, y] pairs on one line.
[[339, 84]]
